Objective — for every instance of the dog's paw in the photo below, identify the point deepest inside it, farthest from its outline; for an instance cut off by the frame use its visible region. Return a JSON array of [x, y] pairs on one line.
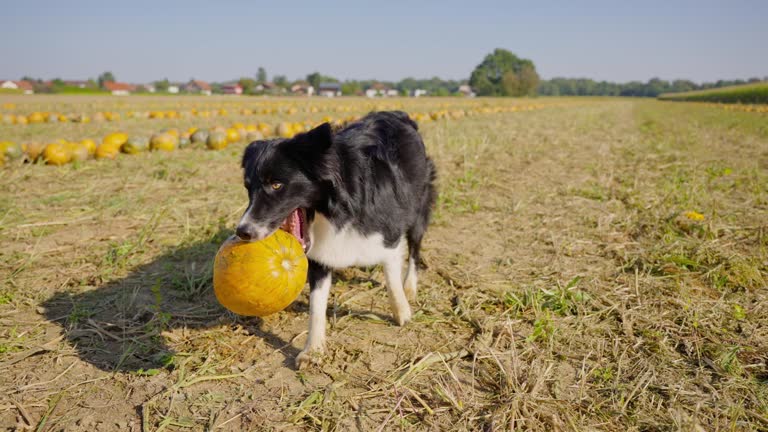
[[410, 289], [403, 315], [309, 357]]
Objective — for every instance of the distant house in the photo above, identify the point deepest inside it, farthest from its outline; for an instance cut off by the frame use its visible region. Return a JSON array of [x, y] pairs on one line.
[[24, 86], [76, 83], [329, 89], [380, 90], [302, 88], [197, 86], [377, 89], [149, 88], [119, 89], [174, 88], [232, 88], [466, 90], [418, 93]]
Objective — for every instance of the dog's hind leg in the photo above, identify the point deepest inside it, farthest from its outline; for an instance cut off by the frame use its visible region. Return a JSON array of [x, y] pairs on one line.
[[411, 277], [393, 271], [416, 232], [319, 287]]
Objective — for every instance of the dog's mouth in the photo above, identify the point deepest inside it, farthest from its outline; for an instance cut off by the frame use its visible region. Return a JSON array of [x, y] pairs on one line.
[[296, 225]]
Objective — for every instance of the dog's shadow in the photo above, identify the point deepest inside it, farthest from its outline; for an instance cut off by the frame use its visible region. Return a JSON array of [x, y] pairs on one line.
[[119, 326]]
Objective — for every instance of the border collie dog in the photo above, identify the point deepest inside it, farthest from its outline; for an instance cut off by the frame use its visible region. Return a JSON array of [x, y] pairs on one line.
[[352, 198]]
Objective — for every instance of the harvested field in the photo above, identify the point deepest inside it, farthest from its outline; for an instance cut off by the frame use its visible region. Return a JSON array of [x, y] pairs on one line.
[[595, 264]]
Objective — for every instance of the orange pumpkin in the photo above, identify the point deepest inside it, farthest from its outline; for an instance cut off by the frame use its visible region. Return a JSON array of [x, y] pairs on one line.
[[259, 278], [57, 154]]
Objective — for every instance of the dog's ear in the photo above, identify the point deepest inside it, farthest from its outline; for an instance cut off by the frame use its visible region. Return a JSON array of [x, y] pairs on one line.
[[315, 142]]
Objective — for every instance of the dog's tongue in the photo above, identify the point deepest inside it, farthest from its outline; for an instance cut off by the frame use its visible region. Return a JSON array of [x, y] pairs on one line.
[[292, 225]]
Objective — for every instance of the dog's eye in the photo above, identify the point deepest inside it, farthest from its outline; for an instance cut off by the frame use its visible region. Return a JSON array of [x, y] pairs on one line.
[[276, 185]]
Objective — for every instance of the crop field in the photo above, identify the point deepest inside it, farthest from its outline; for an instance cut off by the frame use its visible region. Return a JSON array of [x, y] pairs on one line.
[[593, 264], [741, 94]]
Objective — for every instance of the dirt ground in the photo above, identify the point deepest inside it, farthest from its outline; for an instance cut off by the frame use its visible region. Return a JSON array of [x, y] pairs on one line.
[[599, 265]]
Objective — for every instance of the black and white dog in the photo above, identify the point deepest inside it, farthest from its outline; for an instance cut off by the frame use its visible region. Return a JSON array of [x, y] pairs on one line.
[[352, 198]]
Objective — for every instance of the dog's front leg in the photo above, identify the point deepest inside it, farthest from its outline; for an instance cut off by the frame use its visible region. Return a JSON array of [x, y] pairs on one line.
[[319, 287]]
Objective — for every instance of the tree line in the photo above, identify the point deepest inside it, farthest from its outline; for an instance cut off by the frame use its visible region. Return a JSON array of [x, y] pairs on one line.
[[652, 88], [501, 73]]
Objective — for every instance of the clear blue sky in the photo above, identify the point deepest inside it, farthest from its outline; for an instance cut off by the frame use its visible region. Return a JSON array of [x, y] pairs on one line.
[[143, 41]]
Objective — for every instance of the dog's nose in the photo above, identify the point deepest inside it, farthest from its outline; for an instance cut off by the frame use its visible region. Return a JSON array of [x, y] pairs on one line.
[[246, 232]]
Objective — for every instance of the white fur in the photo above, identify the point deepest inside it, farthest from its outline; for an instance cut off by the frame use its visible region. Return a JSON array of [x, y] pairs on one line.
[[393, 271], [262, 231], [347, 247], [344, 248], [411, 280], [318, 302]]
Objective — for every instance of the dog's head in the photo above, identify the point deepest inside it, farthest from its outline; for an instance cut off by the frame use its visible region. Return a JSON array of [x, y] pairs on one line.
[[284, 178]]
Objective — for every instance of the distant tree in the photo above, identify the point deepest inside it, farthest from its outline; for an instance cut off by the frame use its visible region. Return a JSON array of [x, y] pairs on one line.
[[528, 80], [261, 75], [106, 77], [248, 85], [504, 74], [351, 88], [216, 88], [280, 81], [314, 79], [28, 78], [58, 82], [510, 84], [162, 86]]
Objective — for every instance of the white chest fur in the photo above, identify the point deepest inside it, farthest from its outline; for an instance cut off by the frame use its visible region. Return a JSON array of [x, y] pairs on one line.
[[338, 248]]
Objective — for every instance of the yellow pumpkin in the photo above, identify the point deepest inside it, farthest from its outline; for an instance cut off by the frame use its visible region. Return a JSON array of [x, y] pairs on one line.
[[115, 139], [57, 154], [90, 145], [10, 150], [266, 129], [259, 278], [217, 140], [35, 117], [233, 135], [284, 130], [107, 151], [33, 150], [163, 141], [79, 151]]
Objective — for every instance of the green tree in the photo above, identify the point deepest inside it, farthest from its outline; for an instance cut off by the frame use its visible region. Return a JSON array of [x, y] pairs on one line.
[[247, 84], [281, 81], [261, 75], [106, 77], [162, 86], [351, 88], [504, 74], [314, 79]]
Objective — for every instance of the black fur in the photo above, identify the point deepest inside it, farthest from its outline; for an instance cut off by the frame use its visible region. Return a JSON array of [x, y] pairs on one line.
[[374, 174]]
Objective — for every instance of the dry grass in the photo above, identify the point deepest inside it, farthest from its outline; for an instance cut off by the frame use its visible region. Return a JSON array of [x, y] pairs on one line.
[[566, 289]]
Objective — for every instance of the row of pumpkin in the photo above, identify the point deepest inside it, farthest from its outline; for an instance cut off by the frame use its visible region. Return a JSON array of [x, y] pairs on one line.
[[40, 117], [60, 151]]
